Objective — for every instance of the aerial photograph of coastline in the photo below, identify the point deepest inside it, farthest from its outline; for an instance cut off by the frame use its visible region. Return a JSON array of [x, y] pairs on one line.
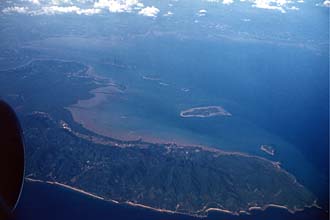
[[164, 109]]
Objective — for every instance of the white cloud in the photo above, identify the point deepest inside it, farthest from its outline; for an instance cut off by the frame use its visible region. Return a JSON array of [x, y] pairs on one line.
[[271, 4], [53, 10], [149, 11], [53, 2], [293, 8], [61, 2], [227, 2], [169, 13], [280, 5], [59, 10], [88, 11], [85, 1], [201, 12], [16, 9], [37, 2], [90, 7], [80, 7], [118, 5], [326, 3]]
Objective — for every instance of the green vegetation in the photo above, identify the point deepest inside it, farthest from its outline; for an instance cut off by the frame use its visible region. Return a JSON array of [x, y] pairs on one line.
[[171, 177]]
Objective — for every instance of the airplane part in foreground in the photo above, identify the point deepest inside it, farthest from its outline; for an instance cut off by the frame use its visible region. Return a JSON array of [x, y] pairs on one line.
[[11, 160]]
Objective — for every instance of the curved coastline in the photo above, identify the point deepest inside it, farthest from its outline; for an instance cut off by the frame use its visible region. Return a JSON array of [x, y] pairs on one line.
[[198, 213], [201, 216], [101, 94]]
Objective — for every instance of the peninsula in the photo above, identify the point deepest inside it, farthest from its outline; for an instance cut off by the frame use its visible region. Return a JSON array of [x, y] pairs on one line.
[[188, 179]]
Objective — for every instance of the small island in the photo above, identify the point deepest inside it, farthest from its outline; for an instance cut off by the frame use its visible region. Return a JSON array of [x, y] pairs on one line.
[[204, 112], [267, 149]]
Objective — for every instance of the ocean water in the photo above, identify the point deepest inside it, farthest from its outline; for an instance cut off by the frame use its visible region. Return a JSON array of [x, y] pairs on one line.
[[278, 95], [41, 201]]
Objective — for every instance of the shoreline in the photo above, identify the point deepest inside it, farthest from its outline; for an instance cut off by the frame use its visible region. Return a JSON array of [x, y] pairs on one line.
[[107, 200], [102, 93], [83, 114], [100, 139], [218, 152], [131, 204], [104, 140]]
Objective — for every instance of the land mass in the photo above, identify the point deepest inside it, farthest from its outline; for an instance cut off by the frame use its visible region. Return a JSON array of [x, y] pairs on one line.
[[186, 179], [204, 112], [164, 176]]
